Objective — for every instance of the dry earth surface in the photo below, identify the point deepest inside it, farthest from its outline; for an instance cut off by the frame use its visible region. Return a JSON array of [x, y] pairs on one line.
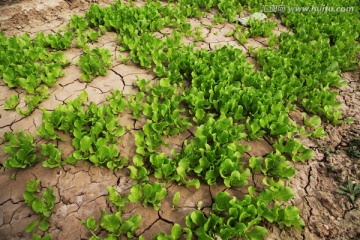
[[81, 190]]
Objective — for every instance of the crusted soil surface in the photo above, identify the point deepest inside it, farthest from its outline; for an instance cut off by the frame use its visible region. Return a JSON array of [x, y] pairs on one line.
[[81, 190]]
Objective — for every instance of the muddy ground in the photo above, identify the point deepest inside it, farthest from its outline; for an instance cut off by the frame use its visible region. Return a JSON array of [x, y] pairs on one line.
[[81, 190]]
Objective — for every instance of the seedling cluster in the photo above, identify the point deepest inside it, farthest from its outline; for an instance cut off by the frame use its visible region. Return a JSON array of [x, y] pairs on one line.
[[218, 91]]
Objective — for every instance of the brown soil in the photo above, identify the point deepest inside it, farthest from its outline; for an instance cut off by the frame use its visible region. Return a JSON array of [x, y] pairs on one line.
[[81, 190]]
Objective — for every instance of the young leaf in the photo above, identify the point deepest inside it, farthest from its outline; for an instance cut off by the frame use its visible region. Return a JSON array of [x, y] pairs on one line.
[[31, 227], [176, 200], [257, 233]]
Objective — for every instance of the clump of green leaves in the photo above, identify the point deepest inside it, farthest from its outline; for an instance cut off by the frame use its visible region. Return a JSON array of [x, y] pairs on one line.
[[95, 129], [139, 171], [259, 28], [296, 150], [42, 206], [239, 34], [12, 102], [351, 190], [27, 63], [214, 153], [234, 218], [313, 124], [229, 8], [148, 193], [21, 148], [353, 150], [164, 166], [134, 104], [163, 109], [116, 101], [94, 62], [218, 18], [273, 40], [198, 33], [118, 201], [59, 41], [78, 23], [32, 101], [175, 234], [113, 223], [164, 113], [53, 156], [274, 165]]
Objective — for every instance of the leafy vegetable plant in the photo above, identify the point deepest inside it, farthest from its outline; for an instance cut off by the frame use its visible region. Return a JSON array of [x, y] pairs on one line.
[[12, 102], [214, 153], [52, 154], [175, 234], [117, 102], [314, 123], [95, 130], [296, 150], [274, 165], [113, 223], [94, 62], [28, 64], [134, 103], [42, 206], [231, 217], [148, 194], [258, 28], [21, 148], [59, 41], [240, 34], [223, 95]]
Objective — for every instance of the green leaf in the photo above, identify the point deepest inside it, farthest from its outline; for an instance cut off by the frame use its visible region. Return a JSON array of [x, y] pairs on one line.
[[176, 199], [31, 227], [38, 205], [110, 223], [256, 163], [138, 160], [197, 217], [305, 155], [176, 231], [46, 237], [257, 233], [135, 194], [90, 224], [165, 82], [44, 225], [85, 144], [29, 197], [49, 197]]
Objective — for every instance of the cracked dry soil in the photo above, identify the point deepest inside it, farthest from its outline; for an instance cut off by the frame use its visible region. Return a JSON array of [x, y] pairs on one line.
[[81, 190]]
